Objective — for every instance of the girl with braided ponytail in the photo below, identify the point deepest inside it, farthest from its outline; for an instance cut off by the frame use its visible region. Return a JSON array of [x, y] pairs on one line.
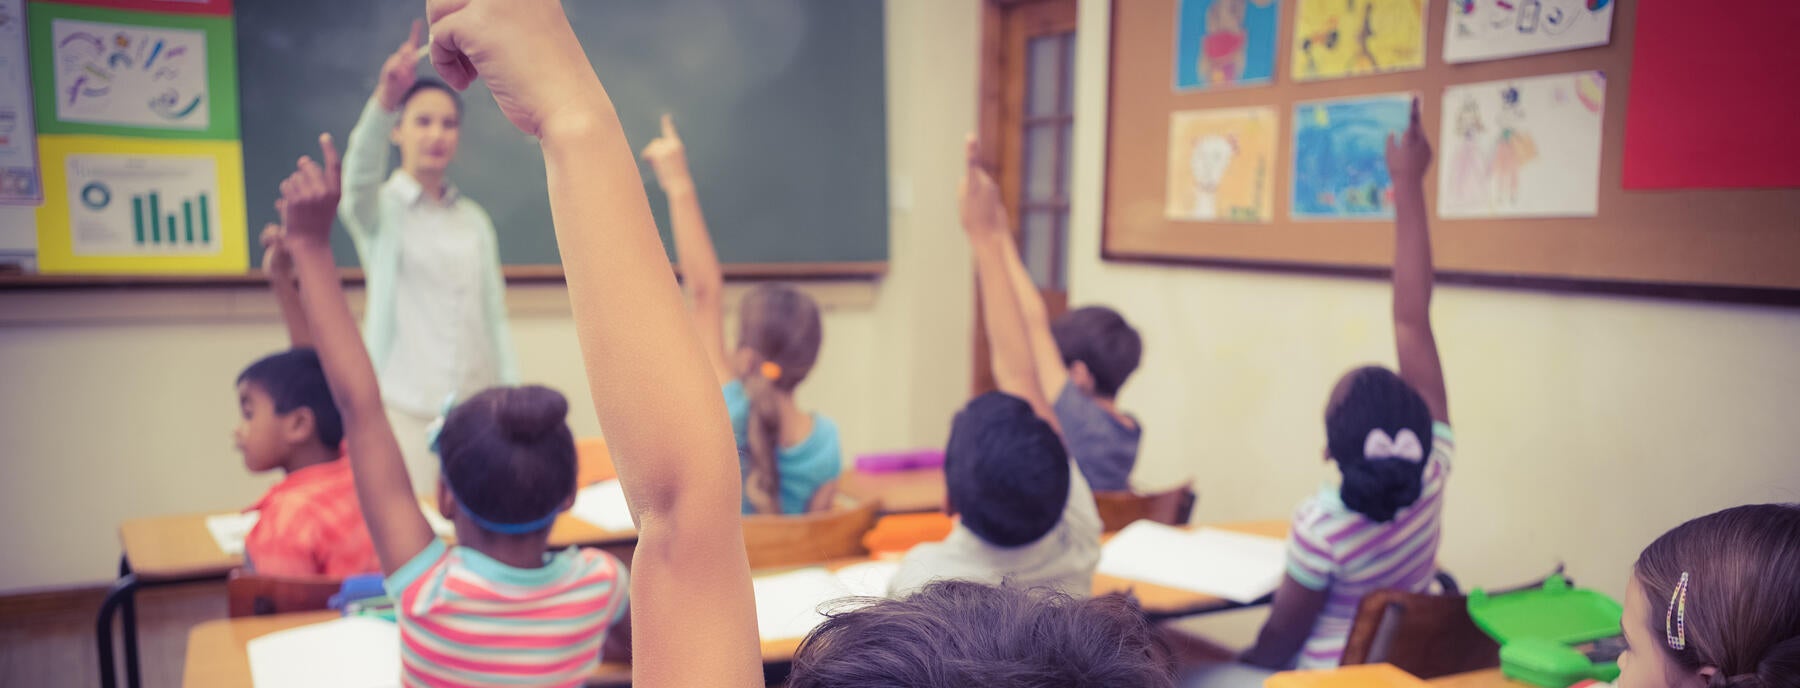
[[1715, 603], [790, 458]]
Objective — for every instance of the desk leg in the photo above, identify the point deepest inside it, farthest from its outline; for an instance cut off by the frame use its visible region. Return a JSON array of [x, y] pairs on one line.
[[133, 679], [121, 593]]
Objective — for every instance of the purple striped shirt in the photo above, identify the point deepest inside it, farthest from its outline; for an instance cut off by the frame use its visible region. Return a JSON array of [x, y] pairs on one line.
[[1343, 553]]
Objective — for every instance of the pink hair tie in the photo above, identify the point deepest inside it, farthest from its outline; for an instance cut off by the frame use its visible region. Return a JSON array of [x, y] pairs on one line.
[[1404, 446]]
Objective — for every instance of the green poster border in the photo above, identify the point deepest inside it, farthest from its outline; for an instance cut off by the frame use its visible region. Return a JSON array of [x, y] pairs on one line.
[[221, 70]]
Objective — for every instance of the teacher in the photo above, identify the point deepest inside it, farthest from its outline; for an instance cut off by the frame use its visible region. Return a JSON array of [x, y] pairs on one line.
[[435, 321]]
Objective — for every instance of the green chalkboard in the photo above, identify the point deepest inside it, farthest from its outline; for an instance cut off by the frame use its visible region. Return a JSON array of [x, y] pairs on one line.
[[781, 103]]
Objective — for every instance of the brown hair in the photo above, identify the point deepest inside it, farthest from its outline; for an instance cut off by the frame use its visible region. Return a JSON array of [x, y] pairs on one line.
[[508, 454], [1743, 597], [779, 325], [958, 633]]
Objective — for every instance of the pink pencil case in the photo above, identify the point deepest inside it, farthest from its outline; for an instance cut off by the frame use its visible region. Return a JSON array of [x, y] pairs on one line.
[[888, 462]]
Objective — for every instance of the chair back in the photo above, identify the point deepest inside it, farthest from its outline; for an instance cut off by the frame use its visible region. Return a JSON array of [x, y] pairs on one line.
[[1170, 507], [1427, 635], [249, 594], [777, 540]]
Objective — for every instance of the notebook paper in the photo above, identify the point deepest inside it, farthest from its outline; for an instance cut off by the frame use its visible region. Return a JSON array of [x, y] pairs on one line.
[[603, 504], [229, 530], [353, 652], [1238, 567]]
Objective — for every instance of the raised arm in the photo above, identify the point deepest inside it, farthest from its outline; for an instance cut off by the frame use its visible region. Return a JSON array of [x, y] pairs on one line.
[[397, 527], [1052, 374], [692, 611], [366, 151], [700, 271], [1408, 156], [984, 220], [279, 266]]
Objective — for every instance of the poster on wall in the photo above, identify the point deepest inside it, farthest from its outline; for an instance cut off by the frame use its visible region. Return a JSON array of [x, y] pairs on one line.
[[1224, 43], [142, 206], [1522, 147], [1340, 156], [212, 7], [1492, 29], [101, 71], [20, 182], [1334, 39], [1222, 165]]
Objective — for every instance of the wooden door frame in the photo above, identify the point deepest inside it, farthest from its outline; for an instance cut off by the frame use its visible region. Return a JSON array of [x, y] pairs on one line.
[[992, 98]]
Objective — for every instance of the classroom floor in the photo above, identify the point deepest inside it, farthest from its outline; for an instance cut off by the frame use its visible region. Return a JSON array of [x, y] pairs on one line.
[[55, 647]]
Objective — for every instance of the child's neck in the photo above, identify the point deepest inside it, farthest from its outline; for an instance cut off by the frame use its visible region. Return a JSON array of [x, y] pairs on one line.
[[1111, 407], [518, 551], [308, 455]]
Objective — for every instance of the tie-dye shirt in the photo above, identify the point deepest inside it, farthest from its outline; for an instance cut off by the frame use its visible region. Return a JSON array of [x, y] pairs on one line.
[[1345, 554], [468, 620]]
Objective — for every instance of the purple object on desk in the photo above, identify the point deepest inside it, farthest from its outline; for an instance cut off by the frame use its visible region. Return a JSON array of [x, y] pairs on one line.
[[889, 462]]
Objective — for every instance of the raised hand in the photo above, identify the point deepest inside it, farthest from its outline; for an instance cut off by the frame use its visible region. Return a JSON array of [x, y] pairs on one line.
[[983, 211], [399, 71], [277, 262], [1409, 154], [668, 158], [309, 199], [526, 52]]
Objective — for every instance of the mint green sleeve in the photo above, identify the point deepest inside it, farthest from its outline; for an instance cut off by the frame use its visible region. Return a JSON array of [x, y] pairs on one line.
[[365, 167]]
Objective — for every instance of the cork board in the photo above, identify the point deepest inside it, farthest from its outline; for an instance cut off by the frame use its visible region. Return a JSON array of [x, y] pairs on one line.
[[1699, 242]]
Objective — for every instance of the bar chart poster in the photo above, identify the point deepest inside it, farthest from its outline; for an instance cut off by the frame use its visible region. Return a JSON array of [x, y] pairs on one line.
[[142, 206]]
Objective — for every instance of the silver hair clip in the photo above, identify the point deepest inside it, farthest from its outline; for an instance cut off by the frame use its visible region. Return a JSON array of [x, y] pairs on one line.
[[1675, 622]]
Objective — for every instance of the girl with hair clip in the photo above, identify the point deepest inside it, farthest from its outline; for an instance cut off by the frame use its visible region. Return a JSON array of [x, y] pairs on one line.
[[1715, 603], [790, 458], [1389, 435]]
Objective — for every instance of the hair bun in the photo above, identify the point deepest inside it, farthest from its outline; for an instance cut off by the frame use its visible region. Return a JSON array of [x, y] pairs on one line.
[[525, 414], [1779, 668]]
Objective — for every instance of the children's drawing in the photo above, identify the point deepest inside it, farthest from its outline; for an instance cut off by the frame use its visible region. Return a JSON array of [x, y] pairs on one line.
[[1221, 164], [1493, 29], [1223, 42], [1339, 38], [1523, 147], [130, 75], [1340, 156]]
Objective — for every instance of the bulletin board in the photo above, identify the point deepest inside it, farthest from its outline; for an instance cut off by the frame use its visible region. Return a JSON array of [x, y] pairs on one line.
[[1712, 243]]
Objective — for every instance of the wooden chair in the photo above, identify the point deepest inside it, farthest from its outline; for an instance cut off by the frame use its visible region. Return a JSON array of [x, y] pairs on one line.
[[1119, 509], [775, 541], [593, 462], [253, 595], [1427, 635]]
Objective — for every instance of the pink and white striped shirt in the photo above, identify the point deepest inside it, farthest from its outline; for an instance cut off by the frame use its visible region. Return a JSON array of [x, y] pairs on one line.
[[1347, 555], [468, 620]]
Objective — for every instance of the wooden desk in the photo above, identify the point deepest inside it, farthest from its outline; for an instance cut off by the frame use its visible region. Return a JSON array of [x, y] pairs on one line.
[[217, 655], [1486, 678], [900, 492], [1162, 603]]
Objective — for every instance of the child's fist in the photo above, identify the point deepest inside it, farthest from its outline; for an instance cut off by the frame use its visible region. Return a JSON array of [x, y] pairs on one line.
[[668, 158], [524, 49], [1409, 154], [983, 211], [309, 199], [277, 262]]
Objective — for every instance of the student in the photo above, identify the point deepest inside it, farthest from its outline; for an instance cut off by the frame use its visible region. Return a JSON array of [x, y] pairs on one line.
[[309, 523], [1390, 437], [790, 458], [1715, 603], [1024, 513], [694, 615], [955, 633], [508, 469], [436, 322]]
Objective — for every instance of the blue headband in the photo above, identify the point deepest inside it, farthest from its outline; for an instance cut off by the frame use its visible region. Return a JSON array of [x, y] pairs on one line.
[[436, 430]]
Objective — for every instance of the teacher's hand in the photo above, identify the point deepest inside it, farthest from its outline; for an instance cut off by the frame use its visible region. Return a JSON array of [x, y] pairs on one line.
[[399, 71]]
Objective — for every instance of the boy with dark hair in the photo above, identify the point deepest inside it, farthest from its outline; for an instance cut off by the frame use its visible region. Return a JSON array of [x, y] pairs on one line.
[[1099, 351], [309, 524], [1025, 514]]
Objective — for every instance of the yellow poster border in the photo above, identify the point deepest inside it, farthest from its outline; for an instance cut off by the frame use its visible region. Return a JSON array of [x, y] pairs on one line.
[[56, 254]]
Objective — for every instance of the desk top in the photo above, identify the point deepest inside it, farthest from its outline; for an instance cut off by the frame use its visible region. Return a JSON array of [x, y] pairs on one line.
[[1486, 678], [900, 492], [169, 547], [1157, 600]]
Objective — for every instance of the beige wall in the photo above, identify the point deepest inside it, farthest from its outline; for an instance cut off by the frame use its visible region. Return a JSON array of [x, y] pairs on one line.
[[1586, 425], [119, 404]]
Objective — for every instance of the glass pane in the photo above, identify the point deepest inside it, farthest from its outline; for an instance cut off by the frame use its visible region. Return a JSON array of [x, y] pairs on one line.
[[1068, 160], [1068, 75], [1043, 62], [1059, 279], [1038, 232], [1040, 162]]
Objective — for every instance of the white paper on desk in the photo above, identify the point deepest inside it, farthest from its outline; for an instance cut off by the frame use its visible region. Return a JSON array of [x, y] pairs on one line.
[[868, 579], [354, 652], [229, 530], [603, 504], [787, 604], [1238, 567], [440, 526]]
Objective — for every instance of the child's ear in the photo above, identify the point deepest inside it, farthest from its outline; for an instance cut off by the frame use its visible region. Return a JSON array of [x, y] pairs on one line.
[[446, 500], [1082, 377], [297, 425], [567, 503]]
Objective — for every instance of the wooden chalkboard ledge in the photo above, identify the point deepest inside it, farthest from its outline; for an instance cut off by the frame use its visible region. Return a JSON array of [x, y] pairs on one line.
[[515, 274]]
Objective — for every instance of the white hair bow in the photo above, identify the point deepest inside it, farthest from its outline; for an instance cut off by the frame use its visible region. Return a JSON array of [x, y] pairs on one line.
[[1404, 445]]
